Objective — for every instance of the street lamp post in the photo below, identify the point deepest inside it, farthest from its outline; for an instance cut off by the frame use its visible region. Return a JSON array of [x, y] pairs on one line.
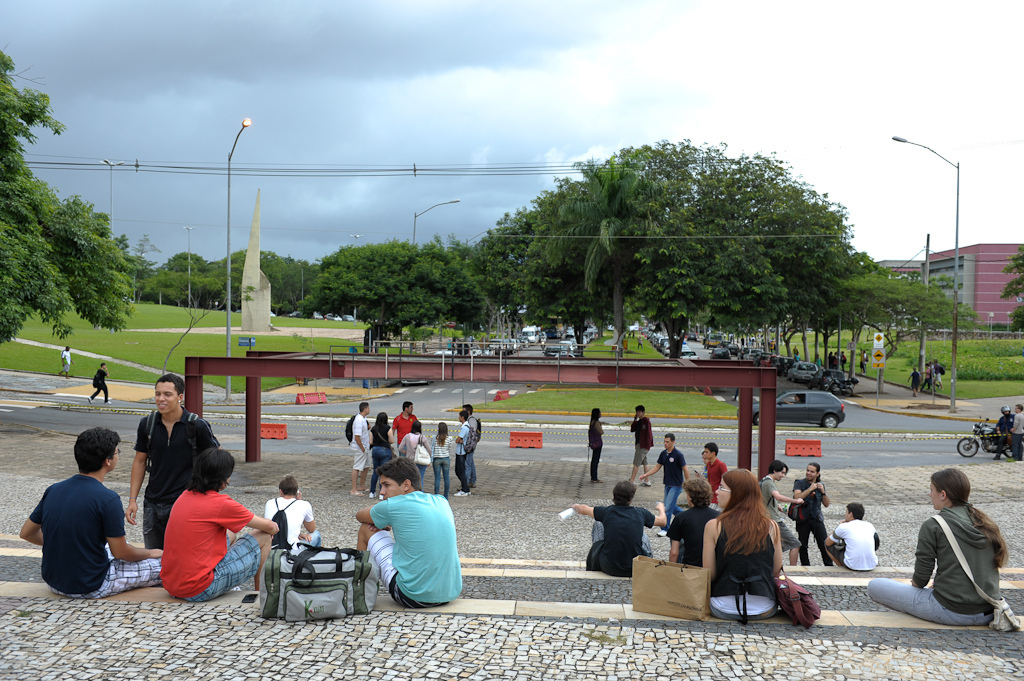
[[189, 265], [416, 215], [245, 124], [111, 164], [956, 272]]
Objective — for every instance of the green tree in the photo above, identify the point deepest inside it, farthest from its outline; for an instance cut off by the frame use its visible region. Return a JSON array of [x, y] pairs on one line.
[[55, 256]]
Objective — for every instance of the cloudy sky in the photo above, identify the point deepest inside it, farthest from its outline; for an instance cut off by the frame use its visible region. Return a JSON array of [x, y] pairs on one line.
[[352, 86]]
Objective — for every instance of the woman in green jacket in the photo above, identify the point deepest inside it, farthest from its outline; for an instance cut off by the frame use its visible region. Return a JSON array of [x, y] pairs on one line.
[[952, 599]]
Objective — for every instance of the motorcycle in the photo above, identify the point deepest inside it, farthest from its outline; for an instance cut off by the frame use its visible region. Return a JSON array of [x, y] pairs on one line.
[[841, 387], [985, 437]]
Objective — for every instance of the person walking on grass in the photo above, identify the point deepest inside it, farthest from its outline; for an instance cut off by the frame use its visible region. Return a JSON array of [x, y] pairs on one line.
[[65, 361]]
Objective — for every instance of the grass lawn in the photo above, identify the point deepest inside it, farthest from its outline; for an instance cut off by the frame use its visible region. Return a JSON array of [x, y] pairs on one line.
[[145, 347], [611, 401], [30, 358], [596, 349]]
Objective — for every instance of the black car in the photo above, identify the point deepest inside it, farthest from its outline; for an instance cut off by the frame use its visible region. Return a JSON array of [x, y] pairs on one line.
[[815, 408], [721, 353], [734, 349], [819, 379]]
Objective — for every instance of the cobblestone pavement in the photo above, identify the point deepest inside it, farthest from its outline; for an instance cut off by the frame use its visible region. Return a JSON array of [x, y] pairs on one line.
[[510, 515]]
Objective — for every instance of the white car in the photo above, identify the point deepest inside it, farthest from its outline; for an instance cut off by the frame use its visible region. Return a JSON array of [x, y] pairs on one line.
[[317, 315]]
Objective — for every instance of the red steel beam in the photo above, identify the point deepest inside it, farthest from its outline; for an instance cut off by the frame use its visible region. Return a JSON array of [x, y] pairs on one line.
[[359, 366]]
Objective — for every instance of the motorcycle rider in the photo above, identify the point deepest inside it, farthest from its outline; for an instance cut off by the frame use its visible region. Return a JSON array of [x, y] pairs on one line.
[[1004, 427]]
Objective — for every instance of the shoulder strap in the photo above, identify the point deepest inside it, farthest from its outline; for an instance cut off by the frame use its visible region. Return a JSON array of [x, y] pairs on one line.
[[963, 561], [190, 431], [149, 440]]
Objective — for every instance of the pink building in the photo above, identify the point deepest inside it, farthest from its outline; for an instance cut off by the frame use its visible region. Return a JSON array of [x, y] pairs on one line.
[[982, 278]]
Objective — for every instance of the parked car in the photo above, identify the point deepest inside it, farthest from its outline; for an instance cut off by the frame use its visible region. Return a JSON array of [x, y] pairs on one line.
[[721, 353], [296, 313], [784, 365], [347, 318], [562, 349], [822, 376], [317, 315], [802, 372], [734, 349], [806, 406], [687, 353]]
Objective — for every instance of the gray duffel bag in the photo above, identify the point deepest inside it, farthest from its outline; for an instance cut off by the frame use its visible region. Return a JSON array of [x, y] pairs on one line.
[[317, 584]]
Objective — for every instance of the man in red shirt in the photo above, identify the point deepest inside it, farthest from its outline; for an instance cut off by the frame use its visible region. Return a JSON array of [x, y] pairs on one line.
[[201, 566], [714, 469], [403, 422]]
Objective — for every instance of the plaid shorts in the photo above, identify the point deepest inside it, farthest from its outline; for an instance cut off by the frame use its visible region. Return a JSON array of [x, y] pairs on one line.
[[238, 565], [123, 576]]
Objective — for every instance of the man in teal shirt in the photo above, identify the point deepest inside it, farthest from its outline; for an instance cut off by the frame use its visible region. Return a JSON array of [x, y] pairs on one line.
[[420, 564]]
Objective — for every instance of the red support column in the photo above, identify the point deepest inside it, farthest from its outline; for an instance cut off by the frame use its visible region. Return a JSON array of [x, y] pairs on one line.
[[193, 387], [745, 434], [766, 438], [253, 410]]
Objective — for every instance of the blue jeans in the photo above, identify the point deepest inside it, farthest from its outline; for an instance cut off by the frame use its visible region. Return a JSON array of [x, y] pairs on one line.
[[671, 508], [470, 468], [381, 455], [919, 603], [423, 472], [441, 466]]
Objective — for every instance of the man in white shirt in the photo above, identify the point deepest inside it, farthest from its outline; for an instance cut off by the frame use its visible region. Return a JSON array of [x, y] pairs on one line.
[[65, 361], [361, 461], [853, 543], [299, 517], [1017, 433]]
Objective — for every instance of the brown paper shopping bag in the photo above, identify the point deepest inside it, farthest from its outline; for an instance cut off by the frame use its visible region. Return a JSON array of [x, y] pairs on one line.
[[671, 589]]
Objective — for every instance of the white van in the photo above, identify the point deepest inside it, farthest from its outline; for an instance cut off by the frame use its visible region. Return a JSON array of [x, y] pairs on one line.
[[529, 334]]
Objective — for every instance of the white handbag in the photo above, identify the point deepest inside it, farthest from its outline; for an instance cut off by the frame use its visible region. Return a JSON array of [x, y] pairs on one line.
[[423, 457]]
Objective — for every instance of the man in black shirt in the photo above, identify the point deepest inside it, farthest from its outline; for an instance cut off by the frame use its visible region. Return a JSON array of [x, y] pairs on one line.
[[618, 534], [687, 529], [177, 435]]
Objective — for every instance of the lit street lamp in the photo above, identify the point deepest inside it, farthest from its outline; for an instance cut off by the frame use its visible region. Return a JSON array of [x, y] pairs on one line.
[[119, 163], [190, 266], [416, 215], [245, 124], [956, 272]]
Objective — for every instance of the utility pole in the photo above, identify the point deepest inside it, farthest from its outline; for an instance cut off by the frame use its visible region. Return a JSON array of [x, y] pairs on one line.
[[924, 278]]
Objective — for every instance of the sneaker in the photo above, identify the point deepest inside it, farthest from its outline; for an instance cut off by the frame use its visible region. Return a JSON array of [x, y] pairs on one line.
[[647, 483], [107, 401], [663, 533], [460, 493], [472, 484], [373, 495], [90, 400]]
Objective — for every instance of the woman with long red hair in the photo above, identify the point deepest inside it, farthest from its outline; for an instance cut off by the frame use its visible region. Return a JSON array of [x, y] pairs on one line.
[[743, 550]]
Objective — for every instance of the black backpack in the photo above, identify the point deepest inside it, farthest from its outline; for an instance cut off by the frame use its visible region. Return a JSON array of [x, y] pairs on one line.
[[348, 429], [280, 540], [97, 380]]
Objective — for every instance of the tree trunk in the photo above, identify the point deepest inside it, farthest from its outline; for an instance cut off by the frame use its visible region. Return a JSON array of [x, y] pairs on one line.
[[618, 304]]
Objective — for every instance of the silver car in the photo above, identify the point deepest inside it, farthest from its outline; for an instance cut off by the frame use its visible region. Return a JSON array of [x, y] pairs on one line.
[[802, 372]]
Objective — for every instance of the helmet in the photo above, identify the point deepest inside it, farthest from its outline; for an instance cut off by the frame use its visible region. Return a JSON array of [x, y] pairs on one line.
[[1005, 409]]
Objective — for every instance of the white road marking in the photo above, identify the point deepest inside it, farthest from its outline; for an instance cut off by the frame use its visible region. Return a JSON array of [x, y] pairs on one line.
[[6, 410], [439, 390], [419, 390], [512, 392], [491, 392], [400, 390], [82, 397], [456, 392], [720, 399], [18, 406], [474, 390]]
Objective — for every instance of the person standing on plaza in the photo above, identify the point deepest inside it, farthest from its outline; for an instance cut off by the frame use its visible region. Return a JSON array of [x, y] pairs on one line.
[[618, 533], [166, 444], [644, 440], [382, 436], [687, 529], [714, 469], [407, 447], [772, 497], [811, 490], [470, 444], [80, 525], [842, 361], [360, 447], [676, 473], [595, 439], [953, 597], [1017, 434], [1005, 429], [65, 362], [403, 422], [440, 456], [99, 381], [460, 454]]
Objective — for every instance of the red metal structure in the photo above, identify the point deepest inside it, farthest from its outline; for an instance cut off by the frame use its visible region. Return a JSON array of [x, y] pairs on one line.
[[624, 373]]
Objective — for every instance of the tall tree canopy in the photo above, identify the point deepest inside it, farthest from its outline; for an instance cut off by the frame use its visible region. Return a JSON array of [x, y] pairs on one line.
[[56, 257]]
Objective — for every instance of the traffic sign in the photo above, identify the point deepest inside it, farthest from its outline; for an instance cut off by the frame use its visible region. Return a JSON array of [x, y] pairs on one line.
[[879, 340], [850, 346], [878, 358]]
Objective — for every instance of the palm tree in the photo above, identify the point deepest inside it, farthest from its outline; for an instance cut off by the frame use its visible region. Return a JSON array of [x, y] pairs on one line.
[[613, 208]]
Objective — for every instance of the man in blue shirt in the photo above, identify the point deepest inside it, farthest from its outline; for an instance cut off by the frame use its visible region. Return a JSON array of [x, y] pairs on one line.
[[85, 553], [676, 472], [420, 564], [461, 456]]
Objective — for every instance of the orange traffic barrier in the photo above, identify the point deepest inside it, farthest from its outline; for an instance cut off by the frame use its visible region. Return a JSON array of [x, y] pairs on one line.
[[803, 447], [273, 431], [501, 395], [525, 439], [311, 398]]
